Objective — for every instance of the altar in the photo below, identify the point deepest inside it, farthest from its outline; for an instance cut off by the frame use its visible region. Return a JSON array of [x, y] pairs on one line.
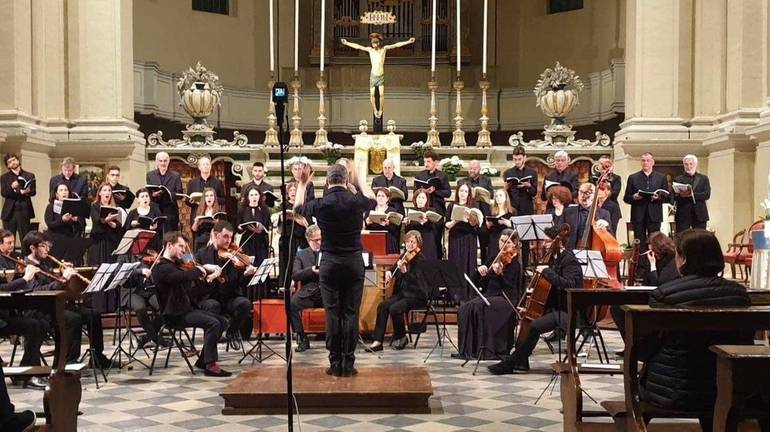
[[371, 150]]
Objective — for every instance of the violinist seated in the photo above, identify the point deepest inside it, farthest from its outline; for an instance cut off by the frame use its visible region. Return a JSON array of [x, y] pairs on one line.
[[563, 272], [305, 272], [174, 281], [490, 326], [409, 293], [576, 216], [37, 245], [138, 296], [661, 256], [31, 328], [225, 294]]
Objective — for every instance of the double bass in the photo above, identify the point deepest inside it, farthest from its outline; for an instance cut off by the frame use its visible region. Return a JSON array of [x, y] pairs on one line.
[[539, 290], [600, 239]]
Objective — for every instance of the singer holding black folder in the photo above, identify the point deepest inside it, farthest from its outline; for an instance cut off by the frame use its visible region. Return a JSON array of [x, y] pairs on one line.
[[17, 188], [254, 222], [106, 229], [436, 184], [145, 216], [646, 190], [166, 201]]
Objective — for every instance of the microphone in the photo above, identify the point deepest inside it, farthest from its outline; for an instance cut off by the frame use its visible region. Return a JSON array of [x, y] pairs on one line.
[[280, 96]]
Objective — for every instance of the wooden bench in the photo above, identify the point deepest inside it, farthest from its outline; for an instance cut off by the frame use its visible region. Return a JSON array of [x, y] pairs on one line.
[[645, 321], [743, 386]]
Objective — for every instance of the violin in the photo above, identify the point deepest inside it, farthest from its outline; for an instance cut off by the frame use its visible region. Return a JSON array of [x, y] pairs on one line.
[[405, 259], [233, 254], [150, 256]]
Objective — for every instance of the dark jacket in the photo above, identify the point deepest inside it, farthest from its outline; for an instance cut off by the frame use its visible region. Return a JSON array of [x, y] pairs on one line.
[[412, 283], [494, 284], [666, 272], [645, 210], [565, 178], [15, 201], [563, 272], [380, 181], [303, 272], [233, 278], [172, 285], [167, 205], [522, 198], [572, 218], [483, 182], [615, 184], [197, 185], [613, 208], [680, 371], [16, 284], [77, 184], [687, 212]]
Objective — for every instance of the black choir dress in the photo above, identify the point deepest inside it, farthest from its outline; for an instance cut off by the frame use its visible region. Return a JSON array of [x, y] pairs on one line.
[[298, 241], [490, 327], [494, 236], [463, 247], [62, 233], [104, 238], [256, 245], [428, 231], [203, 235], [157, 242], [393, 236]]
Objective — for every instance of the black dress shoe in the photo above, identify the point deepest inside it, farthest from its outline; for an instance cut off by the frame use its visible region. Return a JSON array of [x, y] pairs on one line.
[[220, 373], [501, 368], [401, 343], [334, 370], [555, 336], [349, 371], [303, 344], [375, 348], [19, 422], [458, 356]]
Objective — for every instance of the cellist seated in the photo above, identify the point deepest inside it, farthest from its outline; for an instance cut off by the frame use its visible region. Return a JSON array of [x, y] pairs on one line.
[[409, 293], [577, 215], [563, 272]]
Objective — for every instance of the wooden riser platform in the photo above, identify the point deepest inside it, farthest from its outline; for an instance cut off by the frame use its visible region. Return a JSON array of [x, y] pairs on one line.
[[375, 390]]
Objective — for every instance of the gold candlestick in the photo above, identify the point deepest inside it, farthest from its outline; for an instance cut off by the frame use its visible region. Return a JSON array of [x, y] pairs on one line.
[[320, 135], [296, 120], [484, 139], [433, 136], [271, 134], [458, 136]]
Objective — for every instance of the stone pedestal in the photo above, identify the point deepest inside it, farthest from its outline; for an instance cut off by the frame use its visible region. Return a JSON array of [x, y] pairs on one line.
[[391, 143]]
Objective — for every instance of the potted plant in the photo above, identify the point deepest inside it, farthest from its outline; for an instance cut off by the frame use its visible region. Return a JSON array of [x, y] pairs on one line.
[[451, 167], [489, 171], [331, 152], [420, 148]]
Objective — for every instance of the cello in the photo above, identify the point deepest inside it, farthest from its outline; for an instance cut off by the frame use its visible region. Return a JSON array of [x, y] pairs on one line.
[[539, 290]]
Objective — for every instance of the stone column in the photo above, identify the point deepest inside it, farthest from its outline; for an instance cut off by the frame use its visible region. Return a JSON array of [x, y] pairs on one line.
[[708, 75], [746, 55], [731, 173], [16, 67], [100, 70]]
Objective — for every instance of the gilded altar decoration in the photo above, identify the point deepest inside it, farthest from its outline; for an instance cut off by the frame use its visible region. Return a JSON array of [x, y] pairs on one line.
[[200, 93]]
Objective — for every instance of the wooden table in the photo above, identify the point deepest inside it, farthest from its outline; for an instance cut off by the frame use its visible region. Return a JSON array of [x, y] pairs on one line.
[[743, 385]]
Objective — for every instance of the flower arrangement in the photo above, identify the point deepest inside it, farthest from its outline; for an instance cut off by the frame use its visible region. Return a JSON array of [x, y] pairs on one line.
[[298, 159], [451, 166], [558, 78], [331, 152], [489, 171], [420, 148]]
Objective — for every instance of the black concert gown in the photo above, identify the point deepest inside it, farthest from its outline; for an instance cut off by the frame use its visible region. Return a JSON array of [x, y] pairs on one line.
[[393, 236], [428, 231], [494, 236], [463, 248], [255, 245]]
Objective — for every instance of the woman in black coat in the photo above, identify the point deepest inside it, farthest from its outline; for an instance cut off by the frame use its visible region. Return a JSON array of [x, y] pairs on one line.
[[62, 228], [680, 370], [393, 231], [105, 232], [463, 236], [255, 239], [427, 229], [491, 326]]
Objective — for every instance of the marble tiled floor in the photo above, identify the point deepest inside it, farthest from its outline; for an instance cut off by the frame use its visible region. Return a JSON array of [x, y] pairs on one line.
[[174, 400]]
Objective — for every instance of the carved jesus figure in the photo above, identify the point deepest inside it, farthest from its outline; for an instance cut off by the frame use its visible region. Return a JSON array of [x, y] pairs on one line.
[[377, 54]]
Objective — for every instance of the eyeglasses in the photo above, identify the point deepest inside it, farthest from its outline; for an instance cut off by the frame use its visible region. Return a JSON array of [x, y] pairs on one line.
[[315, 240]]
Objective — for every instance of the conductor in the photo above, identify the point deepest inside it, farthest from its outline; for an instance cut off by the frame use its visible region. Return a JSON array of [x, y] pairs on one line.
[[341, 274]]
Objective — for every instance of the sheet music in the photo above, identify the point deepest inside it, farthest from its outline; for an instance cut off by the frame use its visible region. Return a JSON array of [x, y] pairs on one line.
[[122, 275], [263, 271], [592, 264], [532, 227]]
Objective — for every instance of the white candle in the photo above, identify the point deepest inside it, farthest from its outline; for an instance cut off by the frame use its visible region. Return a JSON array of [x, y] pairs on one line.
[[272, 40], [433, 42], [458, 37], [323, 31], [484, 49], [296, 37]]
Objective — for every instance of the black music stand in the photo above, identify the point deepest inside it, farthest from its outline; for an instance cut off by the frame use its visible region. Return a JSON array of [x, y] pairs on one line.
[[446, 280], [592, 265], [260, 276], [99, 283], [532, 228]]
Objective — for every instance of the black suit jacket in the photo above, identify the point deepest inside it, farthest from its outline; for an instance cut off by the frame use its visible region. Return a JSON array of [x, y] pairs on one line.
[[615, 184], [645, 210], [173, 181], [444, 191], [77, 185], [687, 212], [522, 198], [14, 201], [173, 286], [572, 217], [565, 176], [262, 188], [14, 285], [304, 274], [381, 181]]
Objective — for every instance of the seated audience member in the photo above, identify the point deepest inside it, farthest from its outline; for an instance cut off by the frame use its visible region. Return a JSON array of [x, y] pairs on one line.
[[680, 371]]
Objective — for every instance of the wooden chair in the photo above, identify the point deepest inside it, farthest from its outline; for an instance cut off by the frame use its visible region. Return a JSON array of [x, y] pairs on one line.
[[733, 251]]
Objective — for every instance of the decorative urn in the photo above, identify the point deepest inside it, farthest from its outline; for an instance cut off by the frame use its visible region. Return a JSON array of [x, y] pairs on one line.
[[557, 92]]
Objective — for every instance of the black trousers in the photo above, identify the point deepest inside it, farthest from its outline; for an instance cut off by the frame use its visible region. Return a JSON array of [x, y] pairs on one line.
[[19, 221], [6, 407], [212, 325], [396, 308], [74, 320], [33, 331], [545, 323], [643, 229], [620, 319], [342, 284], [142, 304], [687, 223], [238, 308], [302, 302]]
